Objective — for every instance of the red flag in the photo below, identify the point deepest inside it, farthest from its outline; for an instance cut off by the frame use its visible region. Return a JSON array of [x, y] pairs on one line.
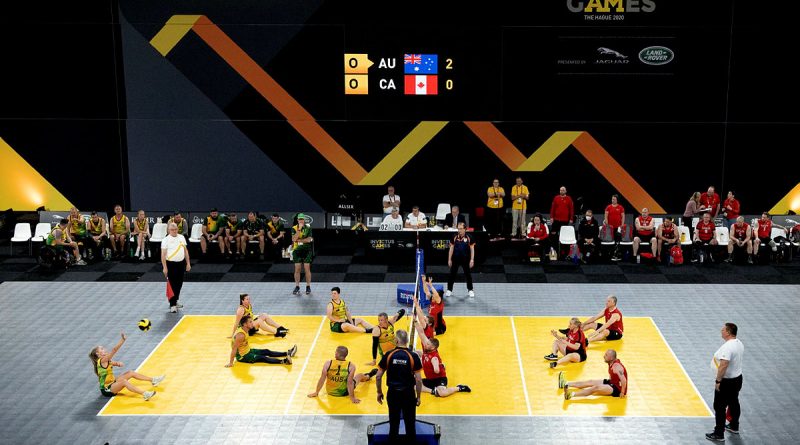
[[170, 293], [421, 85]]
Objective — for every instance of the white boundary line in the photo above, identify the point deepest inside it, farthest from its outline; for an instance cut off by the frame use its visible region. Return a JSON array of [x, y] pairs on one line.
[[710, 413], [525, 416], [99, 413], [305, 365], [521, 370]]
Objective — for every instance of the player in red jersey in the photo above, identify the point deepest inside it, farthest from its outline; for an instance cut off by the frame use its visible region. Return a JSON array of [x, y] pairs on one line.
[[705, 235], [612, 329], [572, 346], [741, 237], [730, 208], [435, 381], [645, 229], [710, 201], [436, 309], [616, 385], [614, 217], [763, 233], [668, 236]]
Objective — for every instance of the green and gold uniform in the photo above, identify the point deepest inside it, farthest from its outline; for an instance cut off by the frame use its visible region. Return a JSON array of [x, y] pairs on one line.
[[106, 378], [386, 339], [246, 355], [339, 311], [214, 225], [232, 225], [77, 226], [275, 229], [96, 229], [302, 253], [244, 346], [141, 225], [51, 239], [180, 225], [118, 225], [249, 311], [336, 379]]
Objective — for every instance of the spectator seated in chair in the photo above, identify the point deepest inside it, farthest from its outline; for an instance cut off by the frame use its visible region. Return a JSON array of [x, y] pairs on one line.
[[645, 231], [588, 236], [704, 238], [538, 240], [741, 239], [668, 236]]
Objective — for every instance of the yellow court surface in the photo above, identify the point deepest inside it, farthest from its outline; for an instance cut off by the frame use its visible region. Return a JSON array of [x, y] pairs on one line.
[[193, 356], [658, 385], [482, 352], [477, 351]]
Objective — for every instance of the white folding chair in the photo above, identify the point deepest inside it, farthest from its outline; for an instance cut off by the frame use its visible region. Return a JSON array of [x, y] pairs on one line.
[[197, 232], [722, 236], [685, 234], [41, 232], [159, 232], [22, 234], [567, 235], [442, 210]]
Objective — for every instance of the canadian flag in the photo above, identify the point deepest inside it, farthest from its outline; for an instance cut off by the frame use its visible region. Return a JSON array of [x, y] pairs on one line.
[[424, 85]]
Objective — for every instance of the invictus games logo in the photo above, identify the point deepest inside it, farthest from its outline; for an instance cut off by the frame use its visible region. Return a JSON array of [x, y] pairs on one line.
[[656, 55], [607, 56], [609, 9]]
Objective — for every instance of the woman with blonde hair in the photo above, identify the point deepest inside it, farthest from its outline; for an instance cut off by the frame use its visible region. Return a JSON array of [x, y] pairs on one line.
[[572, 346], [693, 210], [104, 369]]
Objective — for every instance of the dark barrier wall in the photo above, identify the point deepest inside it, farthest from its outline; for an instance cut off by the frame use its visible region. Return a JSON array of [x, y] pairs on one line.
[[257, 106]]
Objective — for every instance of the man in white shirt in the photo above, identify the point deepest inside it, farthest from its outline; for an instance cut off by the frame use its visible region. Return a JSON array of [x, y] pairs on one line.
[[727, 365], [393, 221], [173, 254], [391, 201], [416, 219]]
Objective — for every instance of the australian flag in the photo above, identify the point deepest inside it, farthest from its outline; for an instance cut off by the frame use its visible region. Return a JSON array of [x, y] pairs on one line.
[[420, 63]]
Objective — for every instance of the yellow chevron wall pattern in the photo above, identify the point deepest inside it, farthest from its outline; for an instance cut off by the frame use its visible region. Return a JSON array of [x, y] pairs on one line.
[[22, 187]]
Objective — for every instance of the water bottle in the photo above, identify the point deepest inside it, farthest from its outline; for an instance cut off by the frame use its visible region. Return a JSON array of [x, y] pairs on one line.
[[638, 259]]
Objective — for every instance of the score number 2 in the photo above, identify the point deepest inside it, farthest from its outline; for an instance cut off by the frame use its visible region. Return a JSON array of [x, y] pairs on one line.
[[448, 84]]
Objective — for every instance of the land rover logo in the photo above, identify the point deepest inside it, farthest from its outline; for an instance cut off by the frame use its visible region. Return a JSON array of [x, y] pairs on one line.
[[656, 55]]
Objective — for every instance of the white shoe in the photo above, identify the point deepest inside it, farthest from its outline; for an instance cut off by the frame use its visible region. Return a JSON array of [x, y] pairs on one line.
[[447, 293], [158, 379], [148, 395], [471, 294], [137, 252], [173, 309]]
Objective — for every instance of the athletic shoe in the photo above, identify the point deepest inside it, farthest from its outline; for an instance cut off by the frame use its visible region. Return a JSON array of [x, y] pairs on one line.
[[729, 259], [471, 294], [715, 437], [553, 364], [296, 290], [562, 381], [287, 361], [731, 430], [158, 379], [372, 372], [292, 351], [400, 313], [463, 388], [80, 262], [280, 334], [564, 331], [567, 394], [749, 260], [137, 252], [448, 293], [308, 290], [173, 309], [148, 395], [551, 357], [178, 305]]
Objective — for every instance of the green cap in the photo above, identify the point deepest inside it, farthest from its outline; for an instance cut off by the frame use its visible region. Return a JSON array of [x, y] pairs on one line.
[[301, 216]]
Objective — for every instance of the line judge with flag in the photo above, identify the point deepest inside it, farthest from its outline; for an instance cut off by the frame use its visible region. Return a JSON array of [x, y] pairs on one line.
[[173, 254]]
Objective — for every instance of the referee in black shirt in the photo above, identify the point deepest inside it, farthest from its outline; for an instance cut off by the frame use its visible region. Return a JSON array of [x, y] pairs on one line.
[[404, 385]]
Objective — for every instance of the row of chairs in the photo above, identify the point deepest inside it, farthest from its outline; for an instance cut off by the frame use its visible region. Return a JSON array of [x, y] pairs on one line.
[[22, 234]]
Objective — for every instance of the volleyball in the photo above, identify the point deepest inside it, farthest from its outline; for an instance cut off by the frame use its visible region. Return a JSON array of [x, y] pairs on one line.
[[144, 324]]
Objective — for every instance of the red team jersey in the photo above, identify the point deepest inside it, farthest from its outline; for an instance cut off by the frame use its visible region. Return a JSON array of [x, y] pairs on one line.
[[562, 209], [740, 232], [576, 337], [733, 213], [764, 229], [643, 221], [615, 215], [711, 203], [437, 312], [614, 378], [617, 326], [705, 231], [668, 232], [427, 366], [540, 233]]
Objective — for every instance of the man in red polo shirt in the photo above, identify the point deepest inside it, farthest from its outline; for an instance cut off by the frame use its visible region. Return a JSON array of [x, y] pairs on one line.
[[616, 385], [612, 329], [710, 200], [704, 236], [435, 381], [645, 229], [562, 212], [763, 233], [730, 208], [741, 236], [614, 218]]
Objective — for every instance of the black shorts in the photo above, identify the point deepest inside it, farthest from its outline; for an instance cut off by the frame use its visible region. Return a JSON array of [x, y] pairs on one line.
[[433, 383], [613, 335], [644, 238], [107, 390], [615, 392], [765, 241], [581, 353]]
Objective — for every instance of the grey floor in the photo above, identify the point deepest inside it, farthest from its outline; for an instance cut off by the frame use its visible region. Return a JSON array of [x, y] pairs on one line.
[[48, 392]]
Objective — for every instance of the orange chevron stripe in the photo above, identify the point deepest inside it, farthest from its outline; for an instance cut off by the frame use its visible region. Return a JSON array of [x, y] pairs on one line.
[[295, 114], [498, 143]]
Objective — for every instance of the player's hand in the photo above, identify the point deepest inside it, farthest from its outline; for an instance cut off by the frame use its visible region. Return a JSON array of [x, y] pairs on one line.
[[622, 396], [188, 267], [380, 399], [124, 337], [229, 365], [119, 364], [355, 400], [313, 394], [449, 263], [419, 400], [372, 363], [164, 270]]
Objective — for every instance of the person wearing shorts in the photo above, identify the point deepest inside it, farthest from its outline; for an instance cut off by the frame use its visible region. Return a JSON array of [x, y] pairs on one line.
[[612, 329], [616, 385], [262, 321], [340, 378], [572, 346], [340, 318], [242, 352], [104, 370], [435, 381], [302, 253], [645, 231]]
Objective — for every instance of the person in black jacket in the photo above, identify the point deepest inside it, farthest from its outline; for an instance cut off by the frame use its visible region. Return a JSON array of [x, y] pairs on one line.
[[588, 236], [452, 219]]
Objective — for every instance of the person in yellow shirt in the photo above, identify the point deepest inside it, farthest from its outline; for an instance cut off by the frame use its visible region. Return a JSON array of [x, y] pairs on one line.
[[340, 378], [495, 210], [120, 227], [519, 195]]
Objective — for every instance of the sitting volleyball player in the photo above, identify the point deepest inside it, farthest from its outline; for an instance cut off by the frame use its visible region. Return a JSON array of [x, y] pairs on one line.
[[572, 346], [435, 381], [340, 378], [260, 321], [340, 318], [240, 348], [104, 369], [616, 385], [383, 334]]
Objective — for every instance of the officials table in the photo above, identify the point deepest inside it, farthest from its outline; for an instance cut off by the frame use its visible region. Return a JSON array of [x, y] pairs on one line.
[[400, 245]]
